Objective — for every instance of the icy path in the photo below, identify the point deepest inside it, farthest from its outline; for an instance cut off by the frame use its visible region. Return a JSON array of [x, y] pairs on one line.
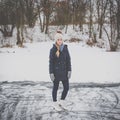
[[32, 101]]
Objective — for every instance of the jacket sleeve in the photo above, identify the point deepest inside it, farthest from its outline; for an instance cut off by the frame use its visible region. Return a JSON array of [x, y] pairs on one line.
[[68, 60], [51, 62]]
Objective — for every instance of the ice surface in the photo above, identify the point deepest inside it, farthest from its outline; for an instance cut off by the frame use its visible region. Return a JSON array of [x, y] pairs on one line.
[[89, 64]]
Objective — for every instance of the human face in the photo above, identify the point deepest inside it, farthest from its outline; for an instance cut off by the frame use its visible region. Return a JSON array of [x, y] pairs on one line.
[[59, 42]]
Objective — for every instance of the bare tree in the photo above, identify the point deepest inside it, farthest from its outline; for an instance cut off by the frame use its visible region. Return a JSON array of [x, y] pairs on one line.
[[78, 10], [31, 12], [102, 6], [62, 10], [118, 19], [114, 33], [45, 7], [20, 21], [7, 15], [90, 18]]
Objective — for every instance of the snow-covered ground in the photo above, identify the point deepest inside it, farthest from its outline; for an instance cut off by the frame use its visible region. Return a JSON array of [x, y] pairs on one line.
[[89, 64], [33, 101]]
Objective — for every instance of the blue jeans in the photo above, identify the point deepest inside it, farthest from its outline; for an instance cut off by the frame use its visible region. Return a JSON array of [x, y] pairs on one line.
[[55, 89]]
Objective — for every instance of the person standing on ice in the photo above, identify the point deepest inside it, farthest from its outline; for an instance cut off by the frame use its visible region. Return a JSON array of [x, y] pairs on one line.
[[59, 69]]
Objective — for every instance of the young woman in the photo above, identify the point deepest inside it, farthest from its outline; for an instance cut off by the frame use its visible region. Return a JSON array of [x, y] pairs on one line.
[[59, 69]]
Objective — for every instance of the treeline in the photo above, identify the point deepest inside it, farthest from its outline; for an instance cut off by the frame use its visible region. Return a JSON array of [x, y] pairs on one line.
[[19, 13]]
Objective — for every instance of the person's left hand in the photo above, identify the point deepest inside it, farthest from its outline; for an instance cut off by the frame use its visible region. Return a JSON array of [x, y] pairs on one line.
[[69, 74]]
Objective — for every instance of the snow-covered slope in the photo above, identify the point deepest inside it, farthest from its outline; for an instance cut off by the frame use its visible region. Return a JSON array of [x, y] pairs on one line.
[[32, 63]]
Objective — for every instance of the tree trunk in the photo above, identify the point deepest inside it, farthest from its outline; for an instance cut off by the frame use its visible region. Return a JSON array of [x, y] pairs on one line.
[[47, 24], [90, 24], [18, 37], [66, 28], [100, 30]]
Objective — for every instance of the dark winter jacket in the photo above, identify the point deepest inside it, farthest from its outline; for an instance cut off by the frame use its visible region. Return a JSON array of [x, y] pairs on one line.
[[59, 66]]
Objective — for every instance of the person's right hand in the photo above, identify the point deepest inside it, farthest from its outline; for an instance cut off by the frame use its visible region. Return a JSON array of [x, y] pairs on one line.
[[52, 77]]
